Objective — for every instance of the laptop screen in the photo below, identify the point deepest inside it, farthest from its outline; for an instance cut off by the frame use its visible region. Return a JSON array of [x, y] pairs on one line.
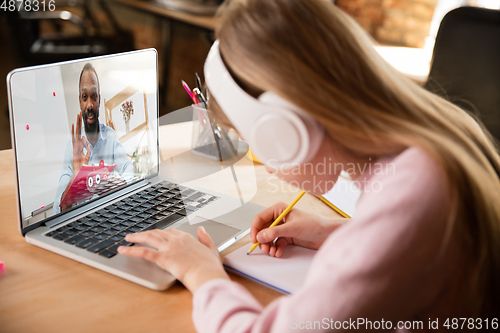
[[83, 129]]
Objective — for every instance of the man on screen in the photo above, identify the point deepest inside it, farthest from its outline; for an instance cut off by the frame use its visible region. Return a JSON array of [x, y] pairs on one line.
[[91, 141]]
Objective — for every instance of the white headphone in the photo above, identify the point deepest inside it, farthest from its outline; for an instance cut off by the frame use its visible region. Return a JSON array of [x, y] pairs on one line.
[[278, 132]]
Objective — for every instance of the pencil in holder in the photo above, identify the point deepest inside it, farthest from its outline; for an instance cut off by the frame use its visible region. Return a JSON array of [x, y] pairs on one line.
[[209, 139]]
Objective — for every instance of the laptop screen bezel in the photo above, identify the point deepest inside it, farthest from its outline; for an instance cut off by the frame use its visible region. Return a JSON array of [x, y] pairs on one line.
[[89, 205]]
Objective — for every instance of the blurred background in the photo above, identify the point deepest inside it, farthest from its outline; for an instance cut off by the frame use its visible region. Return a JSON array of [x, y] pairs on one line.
[[182, 32]]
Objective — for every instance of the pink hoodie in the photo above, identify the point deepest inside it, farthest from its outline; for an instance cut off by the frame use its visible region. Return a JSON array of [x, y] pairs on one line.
[[382, 269]]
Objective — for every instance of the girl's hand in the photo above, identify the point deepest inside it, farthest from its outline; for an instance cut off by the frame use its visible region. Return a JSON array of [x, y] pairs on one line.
[[191, 262], [297, 227]]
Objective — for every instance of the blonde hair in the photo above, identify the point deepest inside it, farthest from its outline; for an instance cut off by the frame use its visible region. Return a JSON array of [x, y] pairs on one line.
[[312, 54]]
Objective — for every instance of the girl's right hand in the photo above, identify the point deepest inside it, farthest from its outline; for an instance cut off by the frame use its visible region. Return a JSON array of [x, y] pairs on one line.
[[297, 227]]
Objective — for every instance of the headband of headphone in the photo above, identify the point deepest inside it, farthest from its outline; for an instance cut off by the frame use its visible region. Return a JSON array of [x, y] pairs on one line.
[[278, 132]]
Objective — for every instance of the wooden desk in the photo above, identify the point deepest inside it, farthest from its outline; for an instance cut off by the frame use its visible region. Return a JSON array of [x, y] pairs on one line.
[[45, 292]]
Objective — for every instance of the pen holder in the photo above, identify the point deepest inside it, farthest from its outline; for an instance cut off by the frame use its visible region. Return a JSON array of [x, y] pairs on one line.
[[209, 139]]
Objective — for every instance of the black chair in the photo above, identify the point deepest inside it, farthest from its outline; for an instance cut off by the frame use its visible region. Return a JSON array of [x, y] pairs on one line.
[[465, 67], [32, 48]]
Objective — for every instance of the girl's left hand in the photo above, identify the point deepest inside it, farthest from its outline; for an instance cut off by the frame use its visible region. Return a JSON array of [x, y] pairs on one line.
[[191, 262]]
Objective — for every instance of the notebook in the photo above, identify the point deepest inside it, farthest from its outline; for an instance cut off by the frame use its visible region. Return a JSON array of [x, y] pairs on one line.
[[286, 274], [343, 196]]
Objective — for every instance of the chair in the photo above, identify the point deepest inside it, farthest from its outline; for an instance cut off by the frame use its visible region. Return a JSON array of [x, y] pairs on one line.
[[32, 48], [465, 67]]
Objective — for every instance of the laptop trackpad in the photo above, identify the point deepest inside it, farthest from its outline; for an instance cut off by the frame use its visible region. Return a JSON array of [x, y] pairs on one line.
[[218, 231]]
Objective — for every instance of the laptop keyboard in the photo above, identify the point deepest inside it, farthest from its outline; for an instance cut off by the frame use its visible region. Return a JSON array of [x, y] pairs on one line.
[[156, 207]]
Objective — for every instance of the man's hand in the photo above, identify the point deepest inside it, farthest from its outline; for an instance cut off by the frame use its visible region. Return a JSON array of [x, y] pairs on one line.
[[79, 158]]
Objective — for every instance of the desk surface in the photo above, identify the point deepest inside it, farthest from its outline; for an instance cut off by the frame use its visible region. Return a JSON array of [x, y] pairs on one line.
[[44, 292]]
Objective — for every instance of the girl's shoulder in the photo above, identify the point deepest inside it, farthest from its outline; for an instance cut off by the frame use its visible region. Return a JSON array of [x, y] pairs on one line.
[[408, 188], [413, 171]]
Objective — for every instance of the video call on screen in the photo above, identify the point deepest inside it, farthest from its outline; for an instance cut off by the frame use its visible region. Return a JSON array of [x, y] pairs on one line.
[[83, 129]]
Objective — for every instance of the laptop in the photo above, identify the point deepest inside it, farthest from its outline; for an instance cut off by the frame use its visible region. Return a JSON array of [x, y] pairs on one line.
[[85, 138]]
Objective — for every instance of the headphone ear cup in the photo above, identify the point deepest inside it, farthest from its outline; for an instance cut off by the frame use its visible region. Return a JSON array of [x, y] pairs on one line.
[[274, 128], [285, 136], [276, 140]]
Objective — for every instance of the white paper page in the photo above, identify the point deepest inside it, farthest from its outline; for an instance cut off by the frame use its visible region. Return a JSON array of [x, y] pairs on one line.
[[287, 273], [344, 195]]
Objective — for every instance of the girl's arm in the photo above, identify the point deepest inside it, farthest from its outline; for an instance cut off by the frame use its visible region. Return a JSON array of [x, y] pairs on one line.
[[385, 264]]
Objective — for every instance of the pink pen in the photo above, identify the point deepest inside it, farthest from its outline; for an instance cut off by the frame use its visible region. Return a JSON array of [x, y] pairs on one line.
[[196, 100], [188, 90], [201, 118]]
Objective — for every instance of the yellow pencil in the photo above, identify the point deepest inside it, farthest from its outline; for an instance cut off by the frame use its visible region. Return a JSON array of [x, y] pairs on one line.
[[282, 215]]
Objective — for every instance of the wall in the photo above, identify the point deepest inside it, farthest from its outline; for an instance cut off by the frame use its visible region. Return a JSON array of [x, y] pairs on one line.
[[406, 22], [394, 22]]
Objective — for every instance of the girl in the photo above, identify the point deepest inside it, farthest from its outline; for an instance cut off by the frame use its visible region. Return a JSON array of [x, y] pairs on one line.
[[425, 245]]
